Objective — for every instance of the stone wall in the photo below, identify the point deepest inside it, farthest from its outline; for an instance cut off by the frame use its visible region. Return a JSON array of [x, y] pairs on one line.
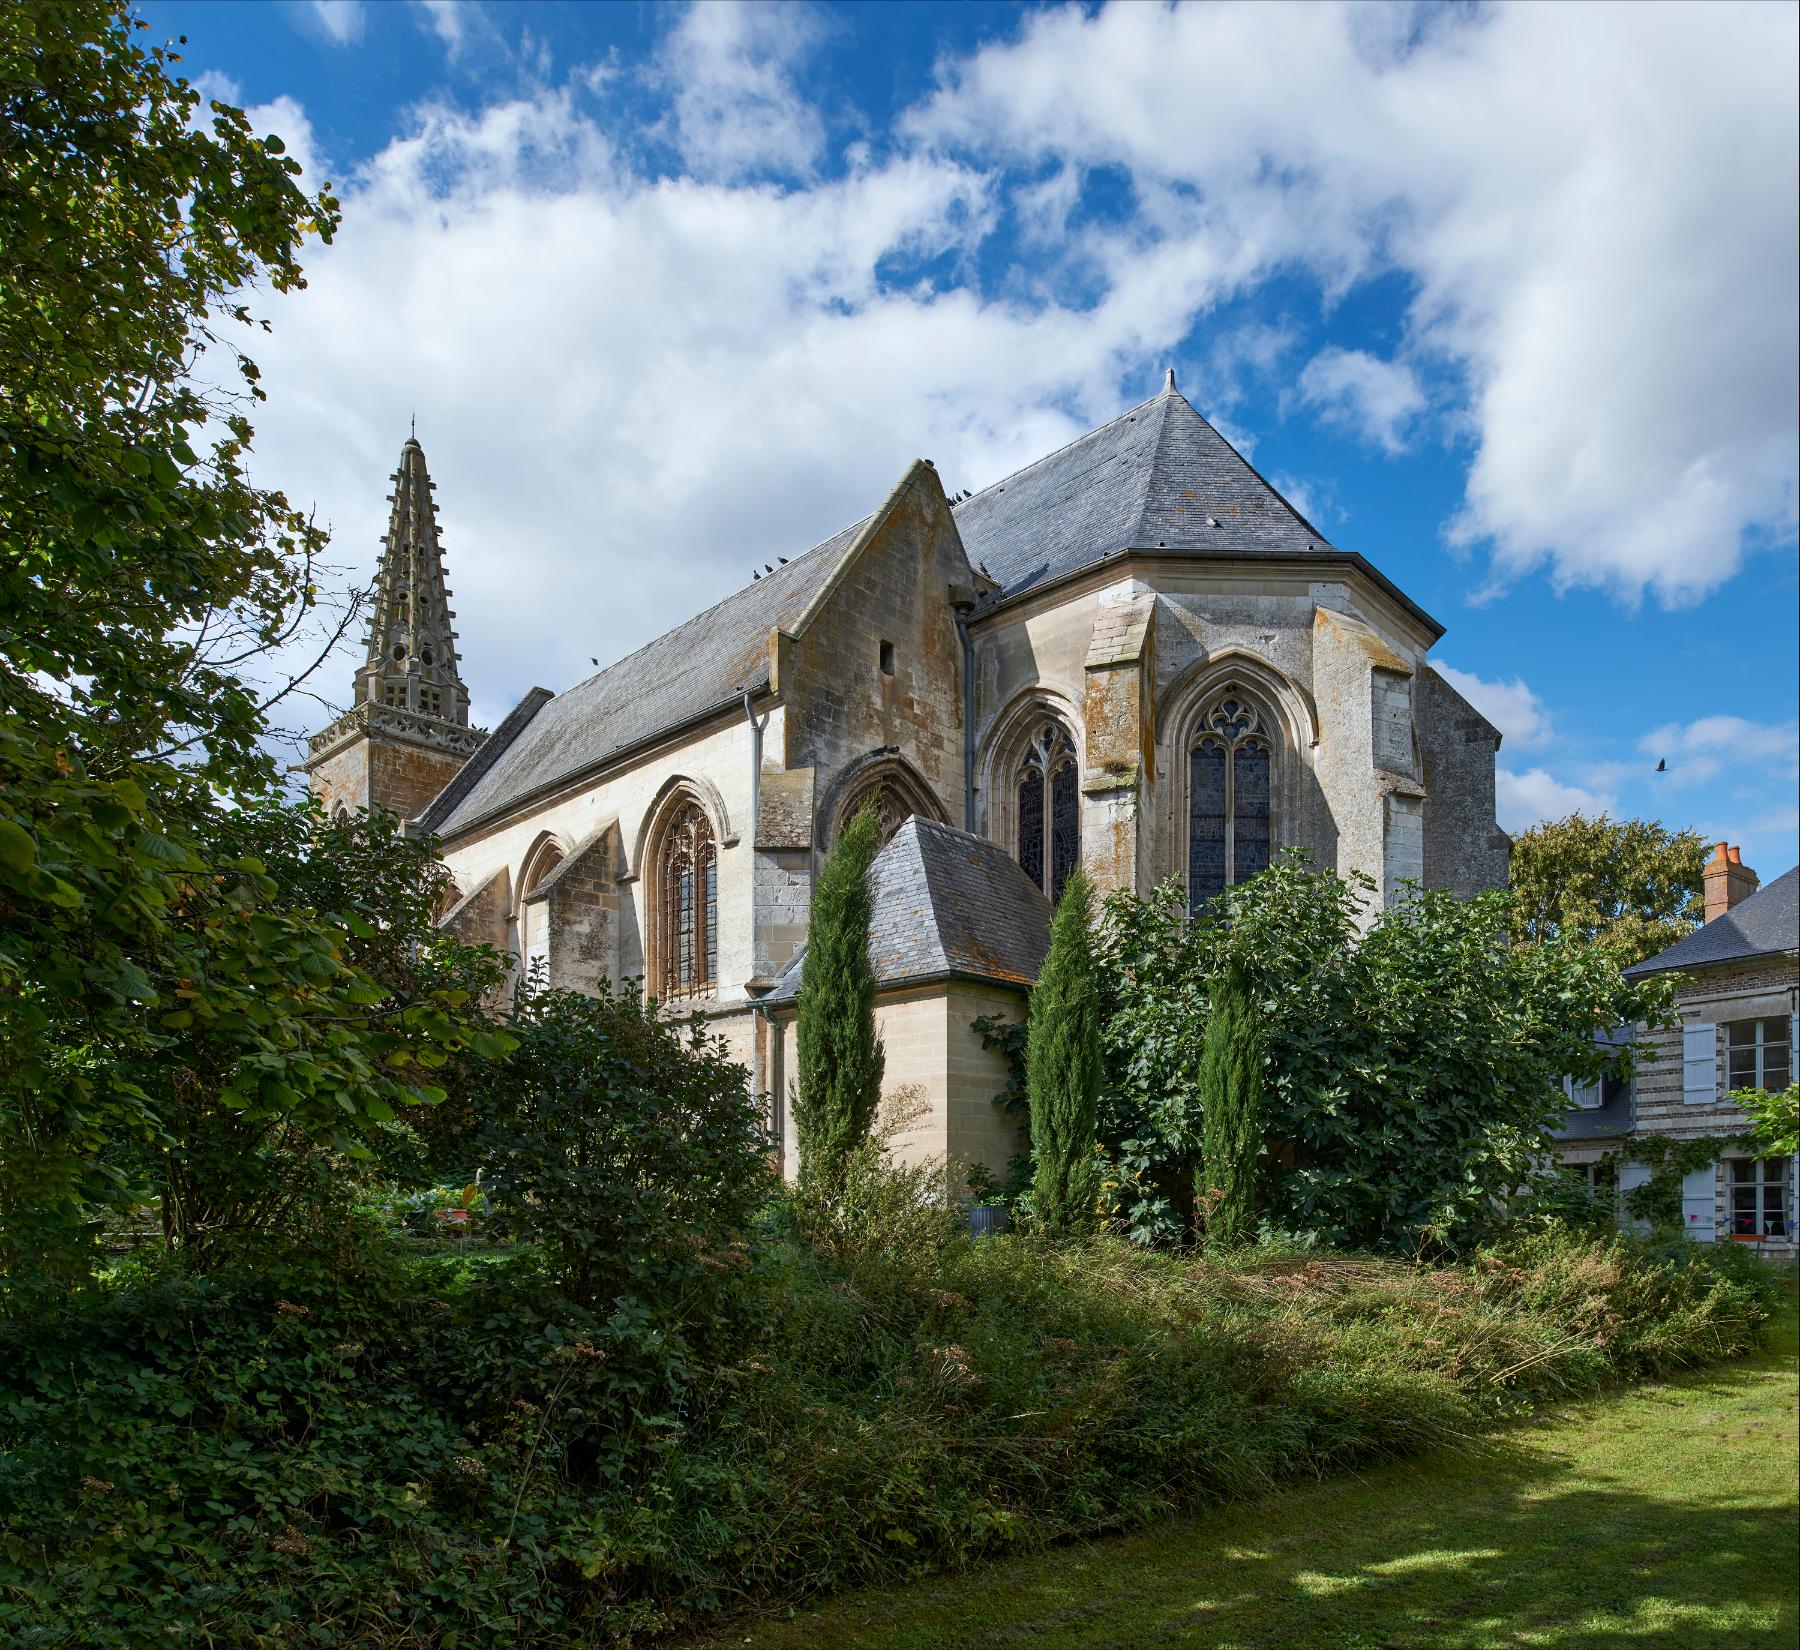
[[1465, 850]]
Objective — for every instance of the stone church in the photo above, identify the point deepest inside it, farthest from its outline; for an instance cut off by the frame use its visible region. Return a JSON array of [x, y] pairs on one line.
[[1134, 655]]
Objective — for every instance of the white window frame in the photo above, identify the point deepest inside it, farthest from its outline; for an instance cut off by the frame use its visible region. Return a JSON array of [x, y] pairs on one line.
[[1769, 1173], [1760, 1044], [1584, 1096]]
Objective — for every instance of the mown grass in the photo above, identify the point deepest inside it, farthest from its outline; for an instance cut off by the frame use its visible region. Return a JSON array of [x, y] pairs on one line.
[[1662, 1518]]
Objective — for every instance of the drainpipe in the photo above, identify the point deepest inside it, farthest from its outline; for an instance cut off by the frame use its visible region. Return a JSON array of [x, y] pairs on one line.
[[757, 1022], [968, 686]]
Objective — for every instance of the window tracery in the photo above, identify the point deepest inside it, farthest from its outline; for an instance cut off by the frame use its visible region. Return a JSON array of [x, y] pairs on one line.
[[1230, 773], [1048, 800], [689, 879]]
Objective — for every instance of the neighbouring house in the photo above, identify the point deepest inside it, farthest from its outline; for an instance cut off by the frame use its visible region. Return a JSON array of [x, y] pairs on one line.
[[1737, 1001], [1133, 655]]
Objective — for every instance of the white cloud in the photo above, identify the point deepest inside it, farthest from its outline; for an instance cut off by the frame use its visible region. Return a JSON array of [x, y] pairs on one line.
[[631, 391], [445, 19], [738, 111], [1596, 206], [1700, 751], [284, 118], [1376, 399], [1522, 800], [1512, 707], [341, 20]]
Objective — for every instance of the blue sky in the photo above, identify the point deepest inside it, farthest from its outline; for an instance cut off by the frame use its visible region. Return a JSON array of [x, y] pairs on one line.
[[1504, 297]]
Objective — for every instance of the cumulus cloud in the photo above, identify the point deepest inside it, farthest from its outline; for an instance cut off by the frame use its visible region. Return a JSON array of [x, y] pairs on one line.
[[1522, 800], [633, 386], [1699, 752], [1596, 207], [1360, 392], [1512, 707]]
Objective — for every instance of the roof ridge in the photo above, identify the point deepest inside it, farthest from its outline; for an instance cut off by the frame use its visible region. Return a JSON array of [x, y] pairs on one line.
[[1076, 441], [1148, 486]]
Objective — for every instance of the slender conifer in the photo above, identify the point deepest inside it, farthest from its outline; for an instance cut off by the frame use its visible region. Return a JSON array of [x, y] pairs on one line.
[[1062, 1068], [1231, 1125], [840, 1056]]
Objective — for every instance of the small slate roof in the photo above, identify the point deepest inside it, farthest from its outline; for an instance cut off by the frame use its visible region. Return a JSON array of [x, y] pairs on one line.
[[692, 670], [946, 904], [1764, 925]]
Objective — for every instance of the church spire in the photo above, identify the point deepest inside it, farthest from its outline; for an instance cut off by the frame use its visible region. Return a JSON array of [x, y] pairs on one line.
[[411, 662]]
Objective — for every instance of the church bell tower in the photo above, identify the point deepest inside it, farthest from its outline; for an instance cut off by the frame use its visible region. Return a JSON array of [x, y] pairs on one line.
[[407, 731]]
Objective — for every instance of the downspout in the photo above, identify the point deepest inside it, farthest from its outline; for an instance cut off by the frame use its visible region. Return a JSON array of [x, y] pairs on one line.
[[758, 1022], [968, 687]]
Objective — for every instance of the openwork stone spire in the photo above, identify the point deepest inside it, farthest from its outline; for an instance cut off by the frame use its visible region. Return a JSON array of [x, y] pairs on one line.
[[411, 660], [407, 734]]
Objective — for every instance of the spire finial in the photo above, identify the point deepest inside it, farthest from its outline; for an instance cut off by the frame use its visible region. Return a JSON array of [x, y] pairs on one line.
[[1169, 381], [413, 425]]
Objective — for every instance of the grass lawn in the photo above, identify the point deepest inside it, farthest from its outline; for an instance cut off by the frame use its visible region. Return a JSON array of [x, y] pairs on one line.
[[1662, 1518]]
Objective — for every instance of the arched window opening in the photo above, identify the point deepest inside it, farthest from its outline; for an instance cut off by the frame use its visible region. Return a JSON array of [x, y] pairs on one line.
[[1230, 772], [892, 810], [689, 877], [1048, 798], [534, 918]]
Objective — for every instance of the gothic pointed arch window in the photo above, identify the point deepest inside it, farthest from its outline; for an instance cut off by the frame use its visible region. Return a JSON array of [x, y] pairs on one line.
[[534, 911], [1231, 762], [1047, 802], [688, 877]]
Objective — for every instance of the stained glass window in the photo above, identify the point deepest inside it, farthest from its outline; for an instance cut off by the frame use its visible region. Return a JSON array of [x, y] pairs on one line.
[[1049, 848], [1230, 785], [690, 884]]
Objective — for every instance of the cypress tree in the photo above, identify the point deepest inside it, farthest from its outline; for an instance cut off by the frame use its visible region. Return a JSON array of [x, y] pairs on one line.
[[1231, 1123], [1062, 1068], [840, 1057]]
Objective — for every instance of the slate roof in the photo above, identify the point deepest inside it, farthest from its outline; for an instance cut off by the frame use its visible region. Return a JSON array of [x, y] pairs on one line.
[[1155, 478], [692, 670], [1764, 925], [947, 904]]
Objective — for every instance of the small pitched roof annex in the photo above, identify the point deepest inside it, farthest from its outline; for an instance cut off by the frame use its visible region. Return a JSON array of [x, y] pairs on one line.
[[1767, 924], [946, 905]]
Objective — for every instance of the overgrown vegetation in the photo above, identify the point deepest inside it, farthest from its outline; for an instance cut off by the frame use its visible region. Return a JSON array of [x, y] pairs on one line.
[[421, 1446], [1410, 1072]]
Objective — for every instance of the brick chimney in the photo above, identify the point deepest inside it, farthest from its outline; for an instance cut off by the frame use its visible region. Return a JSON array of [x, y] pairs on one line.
[[1728, 880]]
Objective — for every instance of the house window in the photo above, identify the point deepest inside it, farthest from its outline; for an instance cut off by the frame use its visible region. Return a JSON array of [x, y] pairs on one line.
[[1049, 809], [1230, 772], [1759, 1054], [689, 874], [1584, 1096], [1759, 1196], [1598, 1179]]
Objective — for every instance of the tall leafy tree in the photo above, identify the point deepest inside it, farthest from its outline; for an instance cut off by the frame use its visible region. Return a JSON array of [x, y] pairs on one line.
[[1231, 1087], [1630, 886], [147, 954], [1062, 1067], [841, 1058]]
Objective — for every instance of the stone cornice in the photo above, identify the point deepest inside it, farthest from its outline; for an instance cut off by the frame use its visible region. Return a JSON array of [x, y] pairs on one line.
[[431, 732]]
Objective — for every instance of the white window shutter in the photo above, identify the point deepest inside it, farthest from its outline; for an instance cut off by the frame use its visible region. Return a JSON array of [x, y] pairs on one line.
[[1631, 1176], [1699, 1064], [1699, 1193]]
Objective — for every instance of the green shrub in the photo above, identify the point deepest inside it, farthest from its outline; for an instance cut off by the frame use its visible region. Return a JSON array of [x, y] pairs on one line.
[[1062, 1068], [839, 1055], [1231, 1084]]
